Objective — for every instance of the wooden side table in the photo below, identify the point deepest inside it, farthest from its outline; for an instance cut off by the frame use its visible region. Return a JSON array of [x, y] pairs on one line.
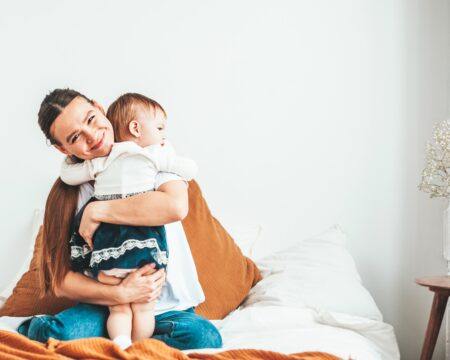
[[440, 285]]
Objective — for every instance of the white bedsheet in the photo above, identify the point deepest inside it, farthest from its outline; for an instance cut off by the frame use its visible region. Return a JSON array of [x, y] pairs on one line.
[[292, 330]]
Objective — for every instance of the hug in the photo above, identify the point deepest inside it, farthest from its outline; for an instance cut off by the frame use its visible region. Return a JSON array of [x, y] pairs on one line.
[[112, 239]]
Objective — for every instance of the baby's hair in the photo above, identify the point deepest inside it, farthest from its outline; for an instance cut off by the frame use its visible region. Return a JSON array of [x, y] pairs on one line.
[[123, 110]]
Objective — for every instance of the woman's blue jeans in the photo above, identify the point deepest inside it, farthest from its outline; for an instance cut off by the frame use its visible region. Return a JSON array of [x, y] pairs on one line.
[[179, 329]]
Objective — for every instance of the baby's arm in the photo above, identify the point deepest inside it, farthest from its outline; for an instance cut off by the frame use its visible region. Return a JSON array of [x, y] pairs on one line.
[[76, 173], [80, 173], [166, 160]]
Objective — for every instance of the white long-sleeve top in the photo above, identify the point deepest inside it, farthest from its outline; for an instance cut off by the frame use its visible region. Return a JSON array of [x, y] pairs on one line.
[[128, 169]]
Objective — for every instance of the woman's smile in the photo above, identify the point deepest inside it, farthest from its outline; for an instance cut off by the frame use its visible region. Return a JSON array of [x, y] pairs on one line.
[[99, 143]]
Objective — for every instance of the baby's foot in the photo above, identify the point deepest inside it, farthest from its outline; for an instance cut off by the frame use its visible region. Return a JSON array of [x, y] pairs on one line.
[[123, 341]]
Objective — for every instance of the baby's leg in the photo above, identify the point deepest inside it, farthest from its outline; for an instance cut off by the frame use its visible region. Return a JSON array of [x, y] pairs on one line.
[[119, 324], [120, 317], [143, 320], [108, 279]]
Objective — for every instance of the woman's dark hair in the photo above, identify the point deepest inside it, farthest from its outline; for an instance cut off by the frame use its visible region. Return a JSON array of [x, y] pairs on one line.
[[52, 105], [54, 254]]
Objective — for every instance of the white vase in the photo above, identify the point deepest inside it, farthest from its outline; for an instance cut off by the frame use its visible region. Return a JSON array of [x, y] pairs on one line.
[[446, 250], [446, 242]]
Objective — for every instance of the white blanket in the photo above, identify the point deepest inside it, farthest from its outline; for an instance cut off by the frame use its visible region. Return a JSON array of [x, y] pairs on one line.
[[311, 298], [292, 330]]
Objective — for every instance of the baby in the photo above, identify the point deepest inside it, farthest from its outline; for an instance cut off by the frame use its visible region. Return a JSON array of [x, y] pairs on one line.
[[129, 169]]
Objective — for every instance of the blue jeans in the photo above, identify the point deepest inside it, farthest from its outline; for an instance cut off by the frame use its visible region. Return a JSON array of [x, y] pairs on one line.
[[178, 329]]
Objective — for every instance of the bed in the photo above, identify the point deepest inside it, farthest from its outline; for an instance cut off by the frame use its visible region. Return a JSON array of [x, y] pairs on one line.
[[310, 299]]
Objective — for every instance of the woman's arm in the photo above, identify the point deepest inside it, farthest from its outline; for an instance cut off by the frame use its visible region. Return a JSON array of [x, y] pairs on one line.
[[142, 285], [153, 208]]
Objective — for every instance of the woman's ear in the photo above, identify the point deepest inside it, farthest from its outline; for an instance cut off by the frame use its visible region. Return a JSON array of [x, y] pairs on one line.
[[134, 128], [98, 106]]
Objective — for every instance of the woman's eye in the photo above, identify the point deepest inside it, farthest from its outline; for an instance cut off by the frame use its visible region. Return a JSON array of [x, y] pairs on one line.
[[160, 128], [90, 119], [75, 138]]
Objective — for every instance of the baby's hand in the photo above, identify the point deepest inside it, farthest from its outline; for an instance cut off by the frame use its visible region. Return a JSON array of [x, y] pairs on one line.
[[89, 224], [89, 242]]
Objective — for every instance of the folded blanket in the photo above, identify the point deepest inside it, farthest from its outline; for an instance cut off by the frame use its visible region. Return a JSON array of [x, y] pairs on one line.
[[17, 347]]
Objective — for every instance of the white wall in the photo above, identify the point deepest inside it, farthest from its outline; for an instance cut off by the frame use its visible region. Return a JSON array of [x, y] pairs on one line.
[[300, 114], [426, 102]]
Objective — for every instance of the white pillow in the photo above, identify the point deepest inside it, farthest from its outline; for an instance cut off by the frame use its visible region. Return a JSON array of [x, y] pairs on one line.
[[245, 236], [315, 273], [38, 218]]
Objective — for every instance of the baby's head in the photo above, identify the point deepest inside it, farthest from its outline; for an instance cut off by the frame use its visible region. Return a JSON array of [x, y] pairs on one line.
[[137, 118]]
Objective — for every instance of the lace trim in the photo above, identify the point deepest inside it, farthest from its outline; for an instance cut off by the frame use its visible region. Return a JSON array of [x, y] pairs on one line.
[[79, 251], [115, 252], [118, 196]]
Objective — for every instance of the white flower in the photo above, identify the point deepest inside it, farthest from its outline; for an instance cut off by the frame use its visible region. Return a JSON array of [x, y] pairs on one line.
[[436, 174]]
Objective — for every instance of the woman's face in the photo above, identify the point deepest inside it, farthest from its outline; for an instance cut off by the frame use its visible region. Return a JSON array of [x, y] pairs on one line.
[[83, 130]]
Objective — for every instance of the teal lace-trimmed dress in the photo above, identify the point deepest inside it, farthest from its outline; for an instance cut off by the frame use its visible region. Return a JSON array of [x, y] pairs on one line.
[[117, 247]]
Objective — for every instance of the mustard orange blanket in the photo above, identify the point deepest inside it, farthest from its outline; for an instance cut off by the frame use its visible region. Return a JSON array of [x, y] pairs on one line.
[[18, 347]]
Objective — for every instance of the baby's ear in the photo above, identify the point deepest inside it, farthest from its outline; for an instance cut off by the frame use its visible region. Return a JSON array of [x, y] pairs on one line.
[[134, 128]]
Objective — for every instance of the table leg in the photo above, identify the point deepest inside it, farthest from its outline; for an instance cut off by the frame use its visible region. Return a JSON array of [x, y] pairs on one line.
[[434, 324]]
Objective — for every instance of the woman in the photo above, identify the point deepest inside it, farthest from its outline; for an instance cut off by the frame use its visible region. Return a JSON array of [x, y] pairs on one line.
[[64, 115]]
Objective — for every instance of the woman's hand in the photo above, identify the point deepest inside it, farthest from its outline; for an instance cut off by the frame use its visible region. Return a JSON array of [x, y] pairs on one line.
[[89, 223], [142, 285]]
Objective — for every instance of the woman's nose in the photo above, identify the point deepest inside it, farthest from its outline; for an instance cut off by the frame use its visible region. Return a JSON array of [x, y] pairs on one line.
[[90, 136]]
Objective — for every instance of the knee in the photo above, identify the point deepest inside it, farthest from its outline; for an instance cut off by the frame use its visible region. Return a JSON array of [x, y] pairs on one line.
[[42, 328], [143, 307], [124, 309], [80, 321], [204, 335]]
